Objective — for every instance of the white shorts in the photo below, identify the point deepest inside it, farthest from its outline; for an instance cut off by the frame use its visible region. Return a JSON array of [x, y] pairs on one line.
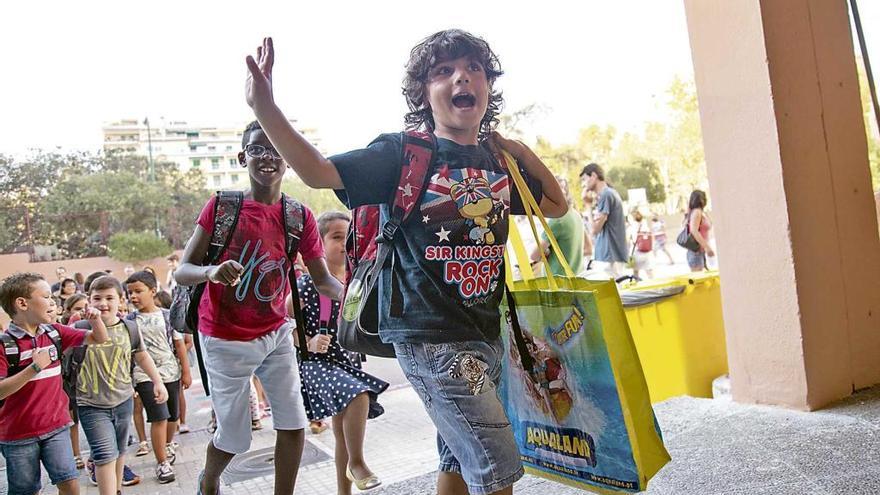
[[643, 261], [230, 365]]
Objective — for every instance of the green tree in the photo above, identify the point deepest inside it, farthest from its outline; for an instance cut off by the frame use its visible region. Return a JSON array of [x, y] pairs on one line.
[[641, 174], [131, 246]]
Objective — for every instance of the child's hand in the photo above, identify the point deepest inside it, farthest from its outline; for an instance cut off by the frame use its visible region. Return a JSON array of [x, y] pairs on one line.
[[258, 85], [497, 142], [42, 358], [91, 314], [319, 344], [226, 273], [160, 392]]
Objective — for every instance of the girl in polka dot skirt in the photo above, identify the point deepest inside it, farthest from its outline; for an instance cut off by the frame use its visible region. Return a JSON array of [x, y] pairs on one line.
[[338, 387]]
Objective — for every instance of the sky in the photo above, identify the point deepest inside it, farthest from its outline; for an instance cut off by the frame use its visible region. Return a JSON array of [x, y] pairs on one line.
[[70, 67]]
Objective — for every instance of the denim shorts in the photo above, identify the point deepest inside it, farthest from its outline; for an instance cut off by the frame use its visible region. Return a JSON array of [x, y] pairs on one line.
[[696, 260], [23, 461], [231, 364], [106, 430], [457, 383]]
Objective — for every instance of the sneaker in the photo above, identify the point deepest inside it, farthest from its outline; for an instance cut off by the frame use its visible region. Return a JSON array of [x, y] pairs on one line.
[[143, 449], [128, 477], [164, 473], [90, 467], [183, 428], [170, 454]]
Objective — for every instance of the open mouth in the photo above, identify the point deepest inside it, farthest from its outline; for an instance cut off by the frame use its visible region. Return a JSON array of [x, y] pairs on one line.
[[268, 169], [464, 100]]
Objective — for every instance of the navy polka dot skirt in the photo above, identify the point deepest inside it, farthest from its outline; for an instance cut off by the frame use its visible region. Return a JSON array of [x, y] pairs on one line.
[[330, 381]]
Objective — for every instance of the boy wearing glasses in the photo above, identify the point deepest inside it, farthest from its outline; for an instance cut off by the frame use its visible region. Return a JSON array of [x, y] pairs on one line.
[[242, 315]]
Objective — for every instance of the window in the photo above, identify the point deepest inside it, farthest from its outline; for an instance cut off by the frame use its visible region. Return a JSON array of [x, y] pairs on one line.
[[211, 148], [196, 162], [228, 148], [234, 178], [193, 147], [233, 162], [218, 179], [215, 164]]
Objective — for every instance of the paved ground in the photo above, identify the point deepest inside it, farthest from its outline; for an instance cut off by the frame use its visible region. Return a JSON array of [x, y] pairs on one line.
[[718, 448]]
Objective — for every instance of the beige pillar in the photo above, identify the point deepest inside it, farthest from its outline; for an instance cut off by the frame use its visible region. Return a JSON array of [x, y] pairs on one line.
[[791, 188]]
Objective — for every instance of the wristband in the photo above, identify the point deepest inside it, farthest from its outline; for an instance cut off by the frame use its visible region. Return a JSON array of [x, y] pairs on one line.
[[36, 368]]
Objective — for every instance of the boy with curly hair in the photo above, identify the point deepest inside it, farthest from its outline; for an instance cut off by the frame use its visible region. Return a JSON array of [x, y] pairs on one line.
[[449, 346]]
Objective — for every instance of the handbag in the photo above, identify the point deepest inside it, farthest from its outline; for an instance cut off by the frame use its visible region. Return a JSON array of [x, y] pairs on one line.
[[685, 239], [573, 387]]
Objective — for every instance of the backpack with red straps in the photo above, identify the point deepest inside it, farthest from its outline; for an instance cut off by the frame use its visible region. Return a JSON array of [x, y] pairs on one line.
[[368, 246]]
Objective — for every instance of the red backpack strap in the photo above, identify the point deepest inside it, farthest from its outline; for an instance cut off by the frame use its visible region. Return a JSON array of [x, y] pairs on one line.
[[294, 219], [419, 149], [226, 210]]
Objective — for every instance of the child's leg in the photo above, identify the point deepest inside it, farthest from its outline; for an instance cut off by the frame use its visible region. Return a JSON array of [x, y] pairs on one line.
[[288, 454], [279, 375], [120, 467], [56, 455], [354, 422], [22, 467], [173, 406], [182, 399], [230, 366], [99, 426], [138, 416], [108, 482], [343, 486], [469, 417], [74, 433], [157, 416]]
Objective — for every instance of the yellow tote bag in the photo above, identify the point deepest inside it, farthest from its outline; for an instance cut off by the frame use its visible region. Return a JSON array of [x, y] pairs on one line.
[[573, 387]]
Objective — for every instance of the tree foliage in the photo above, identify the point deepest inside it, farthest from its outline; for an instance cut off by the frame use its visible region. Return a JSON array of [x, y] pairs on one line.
[[131, 246], [76, 201]]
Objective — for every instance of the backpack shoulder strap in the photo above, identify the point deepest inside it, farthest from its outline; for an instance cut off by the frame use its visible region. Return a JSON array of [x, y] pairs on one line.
[[133, 334], [418, 152], [54, 336], [226, 211], [13, 355], [294, 219]]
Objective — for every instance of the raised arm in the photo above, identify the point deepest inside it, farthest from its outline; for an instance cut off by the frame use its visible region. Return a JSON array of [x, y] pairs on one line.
[[308, 163]]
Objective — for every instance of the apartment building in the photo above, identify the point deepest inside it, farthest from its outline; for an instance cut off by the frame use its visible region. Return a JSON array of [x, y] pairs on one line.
[[213, 150]]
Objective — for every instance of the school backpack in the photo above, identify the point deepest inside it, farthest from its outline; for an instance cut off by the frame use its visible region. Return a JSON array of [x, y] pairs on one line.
[[169, 330], [368, 246], [13, 353], [184, 312], [71, 361]]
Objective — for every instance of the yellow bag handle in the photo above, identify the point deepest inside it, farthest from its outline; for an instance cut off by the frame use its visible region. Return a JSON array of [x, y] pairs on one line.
[[532, 208]]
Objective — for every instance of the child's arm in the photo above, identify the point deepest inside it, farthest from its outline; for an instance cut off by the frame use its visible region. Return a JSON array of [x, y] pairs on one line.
[[308, 163], [143, 359], [324, 281], [185, 375], [13, 384], [98, 333], [190, 272], [553, 203]]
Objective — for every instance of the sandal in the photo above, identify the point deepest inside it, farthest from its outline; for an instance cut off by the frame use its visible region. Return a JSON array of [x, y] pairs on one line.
[[368, 483], [256, 425], [79, 462], [318, 427]]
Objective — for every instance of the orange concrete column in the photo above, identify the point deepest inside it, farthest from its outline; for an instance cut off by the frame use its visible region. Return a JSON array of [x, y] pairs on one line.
[[794, 215]]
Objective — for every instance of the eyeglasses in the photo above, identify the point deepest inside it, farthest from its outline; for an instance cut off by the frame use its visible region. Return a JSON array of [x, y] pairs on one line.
[[259, 151]]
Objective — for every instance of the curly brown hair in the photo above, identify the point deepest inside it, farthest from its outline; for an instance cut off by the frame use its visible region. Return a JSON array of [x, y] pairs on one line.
[[441, 47]]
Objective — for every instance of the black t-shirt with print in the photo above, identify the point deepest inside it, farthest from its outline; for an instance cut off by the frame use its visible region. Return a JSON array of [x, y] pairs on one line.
[[446, 278]]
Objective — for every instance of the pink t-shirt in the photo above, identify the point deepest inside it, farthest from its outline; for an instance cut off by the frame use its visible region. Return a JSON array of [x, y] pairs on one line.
[[40, 406], [255, 306]]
